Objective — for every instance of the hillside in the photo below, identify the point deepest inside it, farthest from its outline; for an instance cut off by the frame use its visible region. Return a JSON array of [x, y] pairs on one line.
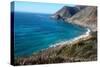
[[82, 15], [67, 12], [86, 17]]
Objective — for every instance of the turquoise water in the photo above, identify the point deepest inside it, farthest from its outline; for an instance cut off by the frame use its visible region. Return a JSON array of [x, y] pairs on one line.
[[34, 32]]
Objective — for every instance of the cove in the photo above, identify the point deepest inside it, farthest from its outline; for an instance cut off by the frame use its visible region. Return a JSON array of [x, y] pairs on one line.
[[34, 32]]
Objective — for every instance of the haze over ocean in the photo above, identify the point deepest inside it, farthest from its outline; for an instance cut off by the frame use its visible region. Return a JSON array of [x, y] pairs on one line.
[[48, 8]]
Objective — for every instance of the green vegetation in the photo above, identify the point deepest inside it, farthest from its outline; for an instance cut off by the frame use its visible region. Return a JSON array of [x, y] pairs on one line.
[[85, 50]]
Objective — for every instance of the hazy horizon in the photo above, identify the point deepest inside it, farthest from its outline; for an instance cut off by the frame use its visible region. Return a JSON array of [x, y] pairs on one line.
[[35, 7]]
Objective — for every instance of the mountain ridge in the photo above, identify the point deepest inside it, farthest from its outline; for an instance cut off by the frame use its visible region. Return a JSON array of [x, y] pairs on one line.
[[67, 12], [85, 16]]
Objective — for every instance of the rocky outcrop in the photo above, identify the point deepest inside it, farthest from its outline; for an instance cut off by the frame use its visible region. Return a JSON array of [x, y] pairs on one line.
[[86, 17], [67, 12]]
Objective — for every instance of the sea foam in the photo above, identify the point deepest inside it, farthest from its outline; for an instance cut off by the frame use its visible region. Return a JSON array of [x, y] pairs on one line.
[[86, 34]]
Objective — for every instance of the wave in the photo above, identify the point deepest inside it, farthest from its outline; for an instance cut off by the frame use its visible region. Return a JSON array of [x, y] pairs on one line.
[[86, 34]]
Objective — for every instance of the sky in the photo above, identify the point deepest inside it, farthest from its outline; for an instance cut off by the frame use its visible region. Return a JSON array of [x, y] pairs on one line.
[[36, 7]]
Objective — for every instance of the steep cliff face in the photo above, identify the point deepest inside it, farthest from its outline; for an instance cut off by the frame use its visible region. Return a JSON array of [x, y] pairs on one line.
[[67, 12], [86, 17]]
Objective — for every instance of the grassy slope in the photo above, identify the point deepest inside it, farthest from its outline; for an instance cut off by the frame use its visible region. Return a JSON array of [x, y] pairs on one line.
[[85, 50]]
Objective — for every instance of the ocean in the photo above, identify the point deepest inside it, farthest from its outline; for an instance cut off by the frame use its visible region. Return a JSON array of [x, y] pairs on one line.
[[34, 32]]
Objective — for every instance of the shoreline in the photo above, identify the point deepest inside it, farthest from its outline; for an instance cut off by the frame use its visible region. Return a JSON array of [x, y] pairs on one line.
[[63, 43], [71, 41], [80, 49]]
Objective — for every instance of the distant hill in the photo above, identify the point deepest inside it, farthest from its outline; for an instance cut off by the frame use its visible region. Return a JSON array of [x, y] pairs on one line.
[[67, 12], [82, 15], [86, 17]]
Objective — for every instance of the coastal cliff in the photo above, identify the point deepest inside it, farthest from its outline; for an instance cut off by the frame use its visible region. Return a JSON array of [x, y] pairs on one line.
[[67, 12], [86, 17]]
